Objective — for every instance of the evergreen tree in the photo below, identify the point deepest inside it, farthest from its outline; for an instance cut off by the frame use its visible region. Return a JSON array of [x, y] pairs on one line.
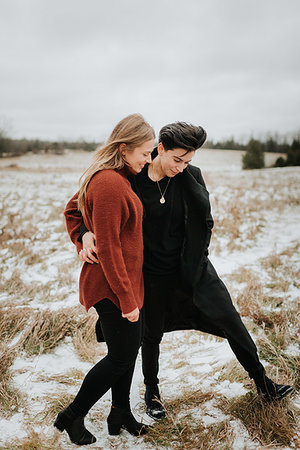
[[254, 156], [293, 154]]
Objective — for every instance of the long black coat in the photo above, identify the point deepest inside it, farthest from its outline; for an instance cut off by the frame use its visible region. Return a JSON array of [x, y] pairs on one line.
[[208, 292]]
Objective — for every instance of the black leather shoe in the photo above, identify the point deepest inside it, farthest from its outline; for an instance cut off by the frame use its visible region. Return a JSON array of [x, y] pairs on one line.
[[270, 390], [154, 407], [74, 426], [123, 418]]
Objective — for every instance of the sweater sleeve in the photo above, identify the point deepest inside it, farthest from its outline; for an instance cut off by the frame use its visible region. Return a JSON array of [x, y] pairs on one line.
[[73, 219], [107, 204]]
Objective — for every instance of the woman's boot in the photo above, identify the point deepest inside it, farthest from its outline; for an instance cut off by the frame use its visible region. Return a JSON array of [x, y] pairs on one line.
[[74, 426], [123, 418]]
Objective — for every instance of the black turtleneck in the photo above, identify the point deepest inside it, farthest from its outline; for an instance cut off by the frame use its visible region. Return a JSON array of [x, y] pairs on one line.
[[163, 224]]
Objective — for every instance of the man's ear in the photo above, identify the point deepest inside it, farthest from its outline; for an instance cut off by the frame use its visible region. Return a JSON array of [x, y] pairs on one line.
[[160, 149]]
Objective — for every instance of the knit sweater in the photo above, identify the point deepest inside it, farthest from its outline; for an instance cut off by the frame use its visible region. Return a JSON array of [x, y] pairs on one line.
[[114, 214]]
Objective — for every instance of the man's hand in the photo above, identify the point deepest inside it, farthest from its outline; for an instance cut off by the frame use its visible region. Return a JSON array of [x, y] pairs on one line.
[[132, 316], [88, 252]]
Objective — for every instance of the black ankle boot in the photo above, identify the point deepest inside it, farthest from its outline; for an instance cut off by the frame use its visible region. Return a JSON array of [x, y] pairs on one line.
[[123, 418], [270, 390], [74, 426], [154, 408]]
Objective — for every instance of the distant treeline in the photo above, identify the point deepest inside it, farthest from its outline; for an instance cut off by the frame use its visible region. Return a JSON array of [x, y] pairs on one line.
[[272, 145], [254, 156], [16, 147]]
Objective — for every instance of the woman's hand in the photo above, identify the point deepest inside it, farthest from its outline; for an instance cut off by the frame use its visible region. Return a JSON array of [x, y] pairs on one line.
[[88, 252], [132, 316]]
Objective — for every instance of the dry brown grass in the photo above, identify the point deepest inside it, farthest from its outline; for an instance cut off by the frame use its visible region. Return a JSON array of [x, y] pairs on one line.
[[84, 338], [16, 286], [271, 423], [12, 321], [55, 403], [69, 378], [65, 276], [287, 365], [234, 372], [181, 430], [35, 441], [10, 397], [46, 330], [253, 303]]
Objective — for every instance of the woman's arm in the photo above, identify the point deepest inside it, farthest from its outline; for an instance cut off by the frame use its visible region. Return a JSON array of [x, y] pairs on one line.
[[84, 240], [73, 219], [107, 208]]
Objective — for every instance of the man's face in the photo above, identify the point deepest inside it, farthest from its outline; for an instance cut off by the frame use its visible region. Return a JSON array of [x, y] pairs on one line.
[[174, 161]]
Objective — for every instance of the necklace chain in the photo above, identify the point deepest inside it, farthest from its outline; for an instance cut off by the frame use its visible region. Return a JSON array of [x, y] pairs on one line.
[[162, 198]]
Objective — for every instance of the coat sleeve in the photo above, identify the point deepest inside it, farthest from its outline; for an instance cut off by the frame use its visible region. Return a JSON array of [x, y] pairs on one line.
[[108, 208], [196, 172], [73, 219]]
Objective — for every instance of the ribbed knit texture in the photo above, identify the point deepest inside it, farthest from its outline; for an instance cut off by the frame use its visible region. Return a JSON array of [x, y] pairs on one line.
[[114, 215]]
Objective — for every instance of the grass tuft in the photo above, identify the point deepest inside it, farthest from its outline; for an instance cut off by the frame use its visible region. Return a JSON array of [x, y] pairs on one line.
[[55, 404], [47, 330], [272, 423], [181, 429], [84, 338], [35, 441], [69, 378], [288, 365], [10, 397], [12, 321]]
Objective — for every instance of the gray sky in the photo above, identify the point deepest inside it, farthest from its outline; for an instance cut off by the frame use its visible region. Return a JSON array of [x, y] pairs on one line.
[[73, 68]]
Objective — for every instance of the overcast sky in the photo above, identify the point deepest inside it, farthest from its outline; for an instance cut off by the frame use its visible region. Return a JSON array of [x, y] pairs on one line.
[[72, 69]]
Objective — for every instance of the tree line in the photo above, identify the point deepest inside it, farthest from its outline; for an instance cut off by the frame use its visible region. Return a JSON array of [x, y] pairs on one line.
[[254, 156], [252, 159], [17, 147]]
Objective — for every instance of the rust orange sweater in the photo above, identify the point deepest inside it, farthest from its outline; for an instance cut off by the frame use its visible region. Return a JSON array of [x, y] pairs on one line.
[[114, 215]]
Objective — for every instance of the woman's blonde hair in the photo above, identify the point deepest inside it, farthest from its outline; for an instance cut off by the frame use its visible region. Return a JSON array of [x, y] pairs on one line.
[[133, 131]]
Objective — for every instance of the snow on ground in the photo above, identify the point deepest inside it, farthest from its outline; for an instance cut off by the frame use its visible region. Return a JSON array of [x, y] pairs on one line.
[[33, 196]]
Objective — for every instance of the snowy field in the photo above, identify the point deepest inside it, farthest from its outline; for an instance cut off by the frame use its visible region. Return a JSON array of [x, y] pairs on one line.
[[255, 247]]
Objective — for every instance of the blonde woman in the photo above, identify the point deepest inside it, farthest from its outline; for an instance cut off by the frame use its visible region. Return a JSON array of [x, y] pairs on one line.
[[115, 286]]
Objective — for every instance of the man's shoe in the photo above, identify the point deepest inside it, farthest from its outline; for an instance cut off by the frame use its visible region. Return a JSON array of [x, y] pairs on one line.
[[270, 390], [154, 407]]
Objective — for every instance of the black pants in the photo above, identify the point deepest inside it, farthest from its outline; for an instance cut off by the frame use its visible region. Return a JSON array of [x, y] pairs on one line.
[[166, 303], [115, 370]]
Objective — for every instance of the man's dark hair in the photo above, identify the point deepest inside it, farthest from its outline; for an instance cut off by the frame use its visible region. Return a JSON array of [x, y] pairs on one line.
[[182, 135]]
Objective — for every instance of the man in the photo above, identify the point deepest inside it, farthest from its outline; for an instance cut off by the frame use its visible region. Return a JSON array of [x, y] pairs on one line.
[[182, 288]]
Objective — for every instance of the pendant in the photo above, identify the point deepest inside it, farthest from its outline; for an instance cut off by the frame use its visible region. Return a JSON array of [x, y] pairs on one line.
[[162, 200]]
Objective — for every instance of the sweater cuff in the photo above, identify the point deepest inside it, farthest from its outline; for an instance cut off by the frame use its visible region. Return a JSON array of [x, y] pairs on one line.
[[78, 246]]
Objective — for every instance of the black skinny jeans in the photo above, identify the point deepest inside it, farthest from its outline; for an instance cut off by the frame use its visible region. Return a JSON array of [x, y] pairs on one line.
[[115, 370], [165, 300]]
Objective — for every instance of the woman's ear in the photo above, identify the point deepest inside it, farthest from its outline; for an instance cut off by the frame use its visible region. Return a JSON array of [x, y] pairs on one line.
[[122, 148]]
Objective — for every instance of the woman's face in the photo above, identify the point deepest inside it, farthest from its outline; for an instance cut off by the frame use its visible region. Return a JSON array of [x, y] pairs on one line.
[[139, 156], [174, 161]]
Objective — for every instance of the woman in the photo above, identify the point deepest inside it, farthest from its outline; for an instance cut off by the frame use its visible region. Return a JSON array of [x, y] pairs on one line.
[[113, 212], [182, 288]]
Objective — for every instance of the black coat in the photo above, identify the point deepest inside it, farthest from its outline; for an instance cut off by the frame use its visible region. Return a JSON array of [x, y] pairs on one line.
[[209, 293]]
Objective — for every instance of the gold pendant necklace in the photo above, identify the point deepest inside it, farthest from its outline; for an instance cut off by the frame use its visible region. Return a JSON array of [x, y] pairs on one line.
[[162, 198]]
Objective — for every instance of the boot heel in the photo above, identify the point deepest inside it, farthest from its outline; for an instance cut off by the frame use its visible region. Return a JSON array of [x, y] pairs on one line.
[[59, 423], [113, 429]]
